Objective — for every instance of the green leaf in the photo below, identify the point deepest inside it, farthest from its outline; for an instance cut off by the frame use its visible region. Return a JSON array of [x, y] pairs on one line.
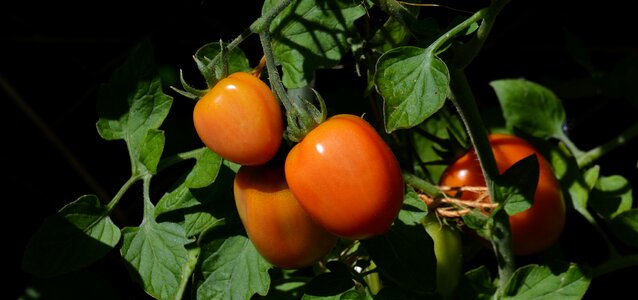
[[205, 170], [439, 141], [157, 258], [199, 209], [625, 227], [517, 185], [311, 34], [78, 235], [413, 210], [231, 268], [413, 83], [131, 104], [611, 196], [530, 107], [389, 251], [237, 61], [560, 281], [579, 184], [477, 284], [151, 150]]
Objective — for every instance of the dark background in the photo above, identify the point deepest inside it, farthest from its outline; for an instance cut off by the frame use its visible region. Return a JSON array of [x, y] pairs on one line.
[[55, 55]]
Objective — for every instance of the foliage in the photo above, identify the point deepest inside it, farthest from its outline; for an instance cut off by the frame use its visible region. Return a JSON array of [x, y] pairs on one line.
[[190, 243]]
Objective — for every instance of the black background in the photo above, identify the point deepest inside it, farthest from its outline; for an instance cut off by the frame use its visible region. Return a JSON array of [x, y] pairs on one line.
[[54, 55]]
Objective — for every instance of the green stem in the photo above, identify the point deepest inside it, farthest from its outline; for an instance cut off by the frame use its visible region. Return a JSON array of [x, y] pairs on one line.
[[570, 145], [594, 154], [422, 185], [466, 53], [258, 26], [501, 238], [149, 208], [438, 43], [127, 185], [614, 264], [300, 120]]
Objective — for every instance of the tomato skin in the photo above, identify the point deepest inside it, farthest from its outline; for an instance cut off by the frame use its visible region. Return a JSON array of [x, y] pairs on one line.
[[346, 178], [276, 224], [240, 120], [534, 229]]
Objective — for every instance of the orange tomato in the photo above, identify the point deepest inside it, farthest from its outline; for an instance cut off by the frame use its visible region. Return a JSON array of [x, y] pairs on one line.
[[534, 229], [276, 224], [240, 120], [346, 178]]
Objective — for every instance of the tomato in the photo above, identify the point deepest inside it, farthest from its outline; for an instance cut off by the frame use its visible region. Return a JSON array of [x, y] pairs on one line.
[[276, 224], [448, 249], [240, 120], [534, 229], [346, 178]]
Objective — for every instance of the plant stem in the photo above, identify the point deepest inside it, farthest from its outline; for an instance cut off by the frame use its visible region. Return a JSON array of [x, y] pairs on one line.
[[501, 239], [149, 208], [422, 185], [127, 185], [260, 25], [466, 53], [594, 154], [610, 246]]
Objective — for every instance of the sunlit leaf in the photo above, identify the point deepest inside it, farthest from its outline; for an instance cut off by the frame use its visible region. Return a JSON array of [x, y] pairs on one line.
[[311, 34], [530, 107], [413, 83]]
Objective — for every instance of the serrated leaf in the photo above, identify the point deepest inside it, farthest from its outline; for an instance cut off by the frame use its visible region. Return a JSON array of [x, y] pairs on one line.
[[390, 250], [205, 170], [231, 268], [157, 257], [625, 227], [132, 103], [517, 185], [311, 34], [237, 61], [78, 235], [565, 281], [413, 83], [530, 107], [611, 196], [413, 209]]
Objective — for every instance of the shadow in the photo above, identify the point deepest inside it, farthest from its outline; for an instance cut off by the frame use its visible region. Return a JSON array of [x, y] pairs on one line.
[[60, 246]]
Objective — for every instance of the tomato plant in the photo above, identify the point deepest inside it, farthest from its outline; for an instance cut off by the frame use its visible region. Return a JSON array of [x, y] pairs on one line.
[[240, 119], [346, 178], [275, 222], [534, 229], [326, 176]]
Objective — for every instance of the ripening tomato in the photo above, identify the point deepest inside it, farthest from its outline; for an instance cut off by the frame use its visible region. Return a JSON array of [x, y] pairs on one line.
[[346, 178], [276, 224], [534, 229], [240, 120]]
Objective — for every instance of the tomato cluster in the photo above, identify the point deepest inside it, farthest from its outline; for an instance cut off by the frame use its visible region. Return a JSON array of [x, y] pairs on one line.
[[534, 229], [341, 180]]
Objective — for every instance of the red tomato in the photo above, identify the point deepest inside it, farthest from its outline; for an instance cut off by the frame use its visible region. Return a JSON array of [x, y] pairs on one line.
[[279, 228], [534, 229], [240, 120], [346, 178]]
